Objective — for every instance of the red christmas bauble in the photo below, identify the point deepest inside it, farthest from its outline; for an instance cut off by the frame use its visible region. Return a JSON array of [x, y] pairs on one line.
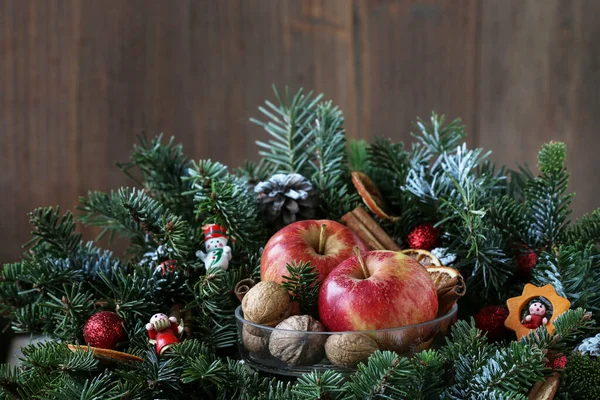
[[105, 330], [559, 362], [526, 261], [490, 320], [424, 237]]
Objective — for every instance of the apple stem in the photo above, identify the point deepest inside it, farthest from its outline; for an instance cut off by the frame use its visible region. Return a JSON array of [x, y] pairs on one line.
[[322, 239], [362, 262]]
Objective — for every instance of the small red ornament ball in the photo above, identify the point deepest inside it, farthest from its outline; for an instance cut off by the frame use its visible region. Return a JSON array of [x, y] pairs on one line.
[[526, 261], [490, 320], [167, 266], [104, 330], [558, 362], [424, 237]]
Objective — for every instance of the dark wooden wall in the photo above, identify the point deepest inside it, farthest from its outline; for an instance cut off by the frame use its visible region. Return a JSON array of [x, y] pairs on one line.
[[79, 80]]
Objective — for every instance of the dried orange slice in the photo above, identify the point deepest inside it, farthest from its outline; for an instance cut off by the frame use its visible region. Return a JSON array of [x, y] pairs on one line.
[[424, 257], [444, 276], [449, 285], [371, 195]]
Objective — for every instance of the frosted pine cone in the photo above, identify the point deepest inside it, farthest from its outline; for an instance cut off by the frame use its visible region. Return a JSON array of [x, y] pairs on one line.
[[287, 198], [590, 346]]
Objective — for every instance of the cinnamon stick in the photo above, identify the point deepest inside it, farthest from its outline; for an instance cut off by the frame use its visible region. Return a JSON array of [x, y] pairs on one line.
[[362, 232], [548, 388], [365, 227], [448, 295], [242, 287], [374, 228]]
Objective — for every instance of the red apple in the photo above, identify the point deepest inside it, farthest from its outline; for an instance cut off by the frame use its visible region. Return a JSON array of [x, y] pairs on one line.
[[382, 289], [301, 240]]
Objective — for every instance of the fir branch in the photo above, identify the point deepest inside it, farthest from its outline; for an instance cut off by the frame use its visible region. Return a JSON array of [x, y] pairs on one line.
[[278, 390], [518, 182], [388, 168], [437, 185], [511, 370], [9, 381], [71, 311], [303, 285], [325, 386], [574, 271], [288, 123], [187, 349], [509, 217], [54, 236], [436, 137], [586, 229], [94, 389], [106, 210], [41, 275], [212, 296], [254, 173], [159, 377], [477, 244], [243, 383], [547, 202], [133, 292], [330, 175], [132, 213], [52, 357], [31, 318], [385, 375], [205, 373], [464, 338], [482, 371], [162, 167], [429, 382]]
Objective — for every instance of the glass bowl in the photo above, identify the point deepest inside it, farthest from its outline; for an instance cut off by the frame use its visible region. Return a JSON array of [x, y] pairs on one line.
[[254, 341]]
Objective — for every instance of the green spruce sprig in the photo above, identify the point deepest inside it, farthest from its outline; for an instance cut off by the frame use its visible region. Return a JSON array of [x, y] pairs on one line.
[[303, 285], [163, 167], [288, 123]]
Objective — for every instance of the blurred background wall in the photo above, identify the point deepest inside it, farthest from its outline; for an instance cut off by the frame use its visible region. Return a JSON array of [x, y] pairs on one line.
[[80, 79]]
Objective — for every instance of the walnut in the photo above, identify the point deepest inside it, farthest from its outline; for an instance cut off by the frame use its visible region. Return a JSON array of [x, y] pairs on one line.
[[255, 343], [297, 348], [267, 303], [349, 349]]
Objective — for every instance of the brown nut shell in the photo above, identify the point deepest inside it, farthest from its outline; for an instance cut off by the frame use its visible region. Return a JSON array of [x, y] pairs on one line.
[[349, 349], [298, 348], [266, 303], [255, 343]]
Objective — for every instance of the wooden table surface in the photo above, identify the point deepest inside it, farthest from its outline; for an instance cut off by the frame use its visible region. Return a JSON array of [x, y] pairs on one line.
[[80, 79]]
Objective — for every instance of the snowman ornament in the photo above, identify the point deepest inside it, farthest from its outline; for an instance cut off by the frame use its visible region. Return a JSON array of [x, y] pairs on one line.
[[218, 254]]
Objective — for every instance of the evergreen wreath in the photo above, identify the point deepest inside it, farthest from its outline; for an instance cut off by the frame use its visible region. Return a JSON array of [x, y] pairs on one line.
[[487, 215]]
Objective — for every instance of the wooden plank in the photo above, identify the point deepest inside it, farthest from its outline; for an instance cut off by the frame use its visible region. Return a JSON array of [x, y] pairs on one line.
[[241, 48], [539, 79], [416, 56], [81, 79], [38, 145]]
